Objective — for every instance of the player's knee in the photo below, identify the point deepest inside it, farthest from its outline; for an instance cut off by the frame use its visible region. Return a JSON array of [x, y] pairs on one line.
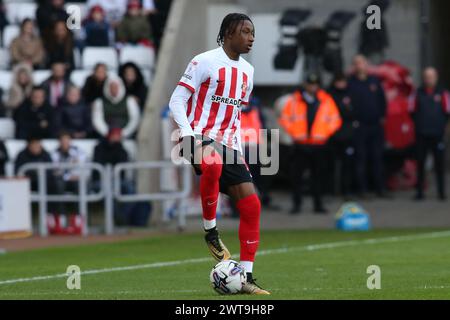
[[212, 166], [250, 207]]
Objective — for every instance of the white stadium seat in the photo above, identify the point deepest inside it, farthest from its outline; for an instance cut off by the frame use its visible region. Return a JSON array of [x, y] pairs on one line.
[[17, 11], [144, 57], [40, 76], [7, 128], [5, 80], [9, 33], [93, 55], [77, 58], [4, 58], [78, 77]]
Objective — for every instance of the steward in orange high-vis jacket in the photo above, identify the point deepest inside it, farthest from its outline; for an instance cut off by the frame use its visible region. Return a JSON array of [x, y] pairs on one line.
[[310, 116]]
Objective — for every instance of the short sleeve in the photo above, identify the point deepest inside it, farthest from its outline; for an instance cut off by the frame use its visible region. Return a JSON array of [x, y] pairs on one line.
[[194, 74]]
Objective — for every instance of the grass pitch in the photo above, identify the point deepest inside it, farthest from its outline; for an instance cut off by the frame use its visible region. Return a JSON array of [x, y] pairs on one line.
[[415, 264]]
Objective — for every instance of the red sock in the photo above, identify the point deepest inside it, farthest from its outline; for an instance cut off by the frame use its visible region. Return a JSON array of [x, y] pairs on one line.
[[211, 167], [250, 211]]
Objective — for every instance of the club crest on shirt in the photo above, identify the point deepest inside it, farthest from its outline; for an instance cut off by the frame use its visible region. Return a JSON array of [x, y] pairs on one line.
[[437, 98]]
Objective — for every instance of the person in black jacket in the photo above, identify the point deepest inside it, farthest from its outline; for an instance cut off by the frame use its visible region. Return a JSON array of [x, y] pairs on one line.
[[93, 87], [47, 14], [369, 103], [134, 82], [96, 28], [74, 115], [33, 152], [35, 117], [110, 150], [430, 112], [3, 158], [342, 141]]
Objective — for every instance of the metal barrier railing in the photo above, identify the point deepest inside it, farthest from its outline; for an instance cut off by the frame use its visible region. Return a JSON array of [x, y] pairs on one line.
[[182, 195], [109, 189], [83, 197]]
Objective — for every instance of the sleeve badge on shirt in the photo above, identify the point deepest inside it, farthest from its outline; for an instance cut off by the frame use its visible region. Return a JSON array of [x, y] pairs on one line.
[[244, 89]]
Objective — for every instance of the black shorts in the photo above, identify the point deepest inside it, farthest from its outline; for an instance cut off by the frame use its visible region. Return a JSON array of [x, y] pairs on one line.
[[234, 169]]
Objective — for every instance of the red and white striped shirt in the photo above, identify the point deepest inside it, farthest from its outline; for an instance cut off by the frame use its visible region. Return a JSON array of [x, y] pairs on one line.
[[219, 86]]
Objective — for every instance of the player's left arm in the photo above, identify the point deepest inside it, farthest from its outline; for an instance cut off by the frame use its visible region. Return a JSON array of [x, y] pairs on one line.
[[246, 99]]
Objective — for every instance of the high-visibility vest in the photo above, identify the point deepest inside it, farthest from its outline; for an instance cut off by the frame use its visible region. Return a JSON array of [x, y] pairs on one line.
[[250, 127], [294, 119]]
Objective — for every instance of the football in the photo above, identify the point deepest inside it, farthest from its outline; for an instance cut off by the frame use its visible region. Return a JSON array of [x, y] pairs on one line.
[[228, 277]]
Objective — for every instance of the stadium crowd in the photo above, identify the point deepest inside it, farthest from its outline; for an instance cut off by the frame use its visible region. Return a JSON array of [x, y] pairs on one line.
[[99, 100]]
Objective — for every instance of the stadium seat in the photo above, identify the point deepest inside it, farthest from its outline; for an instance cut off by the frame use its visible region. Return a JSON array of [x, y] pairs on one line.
[[9, 33], [93, 55], [5, 80], [16, 12], [78, 77], [7, 128], [77, 58], [144, 57], [40, 76], [4, 58]]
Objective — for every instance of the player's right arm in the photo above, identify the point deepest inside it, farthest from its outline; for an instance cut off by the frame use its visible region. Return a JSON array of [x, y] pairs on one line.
[[190, 81]]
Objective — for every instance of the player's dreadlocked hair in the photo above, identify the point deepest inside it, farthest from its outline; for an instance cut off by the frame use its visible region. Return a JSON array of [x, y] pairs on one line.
[[229, 24]]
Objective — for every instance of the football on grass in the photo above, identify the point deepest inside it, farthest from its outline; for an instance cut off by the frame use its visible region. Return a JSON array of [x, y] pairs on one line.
[[228, 277]]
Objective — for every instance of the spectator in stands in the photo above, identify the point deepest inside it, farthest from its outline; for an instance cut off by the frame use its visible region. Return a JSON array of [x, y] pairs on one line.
[[96, 29], [431, 111], [343, 149], [369, 104], [115, 9], [34, 152], [116, 109], [67, 179], [35, 116], [74, 115], [134, 82], [134, 27], [3, 158], [47, 14], [93, 87], [27, 47], [57, 84], [60, 46], [21, 86], [110, 150]]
